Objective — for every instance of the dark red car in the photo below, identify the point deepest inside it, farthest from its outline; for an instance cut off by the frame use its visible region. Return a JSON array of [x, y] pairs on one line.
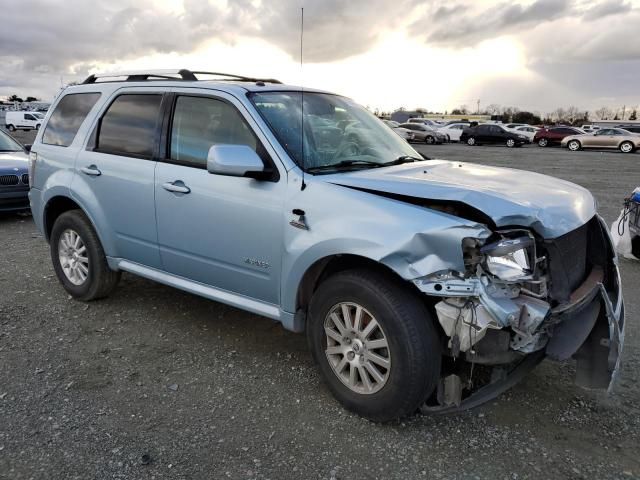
[[554, 135]]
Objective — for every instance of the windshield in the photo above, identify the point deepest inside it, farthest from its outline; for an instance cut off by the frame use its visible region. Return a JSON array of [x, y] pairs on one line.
[[337, 131], [8, 144]]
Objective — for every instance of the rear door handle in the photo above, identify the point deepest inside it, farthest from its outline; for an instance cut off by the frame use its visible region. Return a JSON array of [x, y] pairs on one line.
[[178, 187], [91, 170]]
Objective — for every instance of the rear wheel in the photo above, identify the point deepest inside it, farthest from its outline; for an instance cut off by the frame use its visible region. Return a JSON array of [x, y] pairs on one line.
[[511, 143], [574, 145], [375, 344], [429, 140], [78, 258], [471, 141], [543, 142], [11, 128], [626, 147]]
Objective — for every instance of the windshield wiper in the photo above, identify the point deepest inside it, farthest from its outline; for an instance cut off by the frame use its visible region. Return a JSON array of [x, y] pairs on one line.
[[345, 164], [401, 160]]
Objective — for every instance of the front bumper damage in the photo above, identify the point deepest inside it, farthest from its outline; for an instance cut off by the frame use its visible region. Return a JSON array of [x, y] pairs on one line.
[[501, 326]]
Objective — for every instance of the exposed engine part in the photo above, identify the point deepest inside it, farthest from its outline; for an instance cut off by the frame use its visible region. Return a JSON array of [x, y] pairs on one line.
[[452, 391], [493, 349], [465, 320], [528, 334]]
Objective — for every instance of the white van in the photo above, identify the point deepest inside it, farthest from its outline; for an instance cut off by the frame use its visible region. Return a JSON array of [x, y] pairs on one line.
[[22, 121]]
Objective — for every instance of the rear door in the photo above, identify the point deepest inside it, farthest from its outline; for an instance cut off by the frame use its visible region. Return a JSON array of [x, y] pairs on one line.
[[222, 231], [118, 167]]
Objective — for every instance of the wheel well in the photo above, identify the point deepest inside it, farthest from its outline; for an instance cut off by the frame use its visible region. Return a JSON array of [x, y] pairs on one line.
[[56, 207], [324, 268]]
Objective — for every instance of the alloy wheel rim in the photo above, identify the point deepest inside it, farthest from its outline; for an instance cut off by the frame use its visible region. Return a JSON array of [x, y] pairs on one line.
[[357, 348], [573, 145], [510, 143], [625, 147], [72, 254], [543, 142], [471, 141]]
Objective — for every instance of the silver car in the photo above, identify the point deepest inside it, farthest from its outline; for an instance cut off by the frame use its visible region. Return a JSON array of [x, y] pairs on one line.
[[419, 284], [614, 138]]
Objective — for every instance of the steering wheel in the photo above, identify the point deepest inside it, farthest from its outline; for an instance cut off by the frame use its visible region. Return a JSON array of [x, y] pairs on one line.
[[348, 148]]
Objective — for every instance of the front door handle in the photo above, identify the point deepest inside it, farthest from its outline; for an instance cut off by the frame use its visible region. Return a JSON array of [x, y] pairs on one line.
[[91, 170], [178, 187]]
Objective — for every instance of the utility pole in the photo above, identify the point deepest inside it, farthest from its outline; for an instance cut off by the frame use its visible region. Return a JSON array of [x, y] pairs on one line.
[[478, 108], [624, 108]]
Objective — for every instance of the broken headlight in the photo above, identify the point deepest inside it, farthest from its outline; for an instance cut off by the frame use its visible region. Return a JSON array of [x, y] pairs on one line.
[[510, 259]]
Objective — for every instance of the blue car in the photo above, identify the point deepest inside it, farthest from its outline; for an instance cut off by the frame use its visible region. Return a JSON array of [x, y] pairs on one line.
[[14, 177], [419, 283]]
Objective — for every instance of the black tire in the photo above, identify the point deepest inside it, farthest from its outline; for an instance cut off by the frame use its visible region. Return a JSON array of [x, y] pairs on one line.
[[471, 141], [543, 142], [11, 128], [37, 126], [429, 140], [510, 143], [414, 346], [101, 280]]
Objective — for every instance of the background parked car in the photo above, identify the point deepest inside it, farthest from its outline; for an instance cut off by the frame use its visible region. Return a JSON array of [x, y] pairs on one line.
[[453, 131], [14, 176], [513, 126], [553, 136], [424, 121], [630, 128], [527, 130], [424, 133], [589, 128], [492, 134], [623, 140], [22, 121], [405, 133]]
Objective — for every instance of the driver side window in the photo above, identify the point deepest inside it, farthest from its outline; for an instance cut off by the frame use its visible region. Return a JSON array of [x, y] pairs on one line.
[[199, 123]]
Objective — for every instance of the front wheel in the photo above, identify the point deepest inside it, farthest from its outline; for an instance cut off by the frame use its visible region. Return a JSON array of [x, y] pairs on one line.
[[574, 145], [11, 128], [471, 141], [543, 142], [375, 344], [626, 147], [78, 258], [511, 143], [429, 140]]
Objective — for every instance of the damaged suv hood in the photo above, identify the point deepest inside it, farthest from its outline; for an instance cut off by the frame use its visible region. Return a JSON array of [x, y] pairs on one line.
[[548, 205]]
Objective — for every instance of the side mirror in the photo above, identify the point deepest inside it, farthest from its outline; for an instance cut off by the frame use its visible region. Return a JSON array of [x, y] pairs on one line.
[[235, 161], [27, 147]]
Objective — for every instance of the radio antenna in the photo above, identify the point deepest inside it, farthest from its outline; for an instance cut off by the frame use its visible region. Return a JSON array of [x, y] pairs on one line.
[[303, 185]]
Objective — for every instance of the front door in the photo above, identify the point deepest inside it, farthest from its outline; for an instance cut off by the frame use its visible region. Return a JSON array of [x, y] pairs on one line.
[[221, 231]]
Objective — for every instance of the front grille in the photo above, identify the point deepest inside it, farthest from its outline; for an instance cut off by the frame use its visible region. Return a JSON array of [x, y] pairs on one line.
[[25, 178], [568, 262], [8, 180]]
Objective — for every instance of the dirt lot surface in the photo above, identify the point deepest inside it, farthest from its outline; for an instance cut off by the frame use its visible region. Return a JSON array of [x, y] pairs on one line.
[[156, 383]]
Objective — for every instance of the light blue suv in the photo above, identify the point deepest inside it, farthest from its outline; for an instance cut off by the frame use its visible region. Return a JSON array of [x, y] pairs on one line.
[[420, 284]]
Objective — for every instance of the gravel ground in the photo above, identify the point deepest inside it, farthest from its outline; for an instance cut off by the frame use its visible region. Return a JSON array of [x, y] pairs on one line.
[[155, 383]]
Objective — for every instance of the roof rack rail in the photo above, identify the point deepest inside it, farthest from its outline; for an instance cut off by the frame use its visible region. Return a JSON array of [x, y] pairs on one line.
[[183, 74]]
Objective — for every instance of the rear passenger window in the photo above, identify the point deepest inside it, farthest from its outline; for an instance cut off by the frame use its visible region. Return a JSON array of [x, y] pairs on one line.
[[129, 126], [67, 117], [199, 123]]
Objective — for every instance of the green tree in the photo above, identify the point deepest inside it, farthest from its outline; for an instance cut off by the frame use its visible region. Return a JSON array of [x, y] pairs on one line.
[[15, 98], [31, 99]]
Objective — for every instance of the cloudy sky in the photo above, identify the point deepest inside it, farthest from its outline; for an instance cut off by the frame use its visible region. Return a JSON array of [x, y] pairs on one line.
[[534, 54]]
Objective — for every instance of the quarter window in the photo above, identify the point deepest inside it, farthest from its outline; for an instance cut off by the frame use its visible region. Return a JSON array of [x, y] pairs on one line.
[[66, 119], [129, 126], [199, 123]]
